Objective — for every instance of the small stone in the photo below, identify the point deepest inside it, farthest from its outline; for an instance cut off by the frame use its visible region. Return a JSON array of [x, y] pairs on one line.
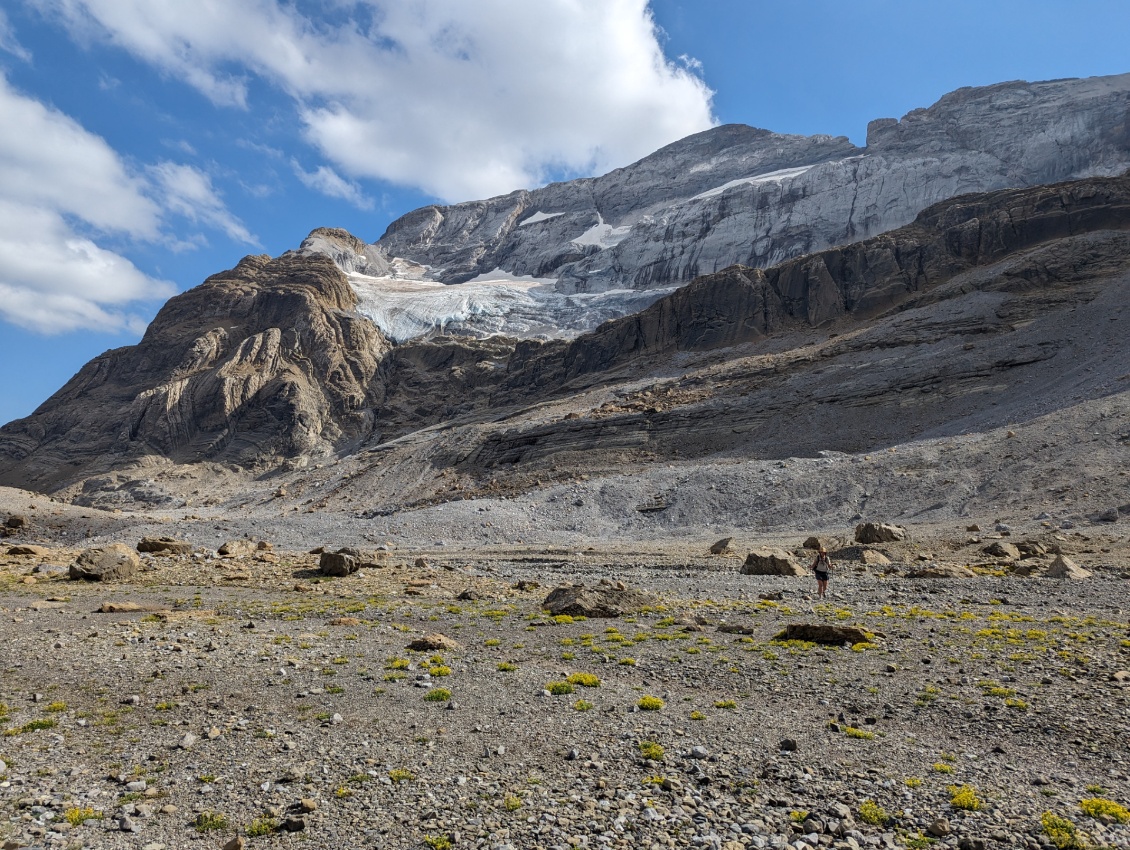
[[187, 742], [787, 745], [698, 753], [307, 805], [293, 824], [236, 843], [125, 824], [940, 828]]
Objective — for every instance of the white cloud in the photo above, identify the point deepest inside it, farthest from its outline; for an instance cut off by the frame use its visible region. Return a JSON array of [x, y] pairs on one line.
[[8, 41], [63, 190], [331, 184], [188, 191], [460, 99]]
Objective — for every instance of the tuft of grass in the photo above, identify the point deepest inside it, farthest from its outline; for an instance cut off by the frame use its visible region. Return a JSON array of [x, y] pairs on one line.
[[506, 667], [56, 706], [559, 688], [859, 734], [439, 842], [697, 715], [439, 670], [582, 705], [261, 826], [511, 803], [872, 813], [798, 816], [491, 642], [397, 664], [627, 662], [651, 750], [1062, 832], [401, 774], [78, 815], [585, 680], [942, 767], [650, 703], [726, 703], [912, 782], [209, 821], [563, 619], [965, 797], [437, 695], [1101, 809]]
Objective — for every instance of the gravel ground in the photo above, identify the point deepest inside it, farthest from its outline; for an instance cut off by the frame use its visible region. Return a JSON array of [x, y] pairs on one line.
[[259, 696]]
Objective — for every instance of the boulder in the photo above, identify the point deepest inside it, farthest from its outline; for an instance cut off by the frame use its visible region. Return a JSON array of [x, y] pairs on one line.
[[873, 559], [340, 563], [722, 547], [879, 532], [607, 599], [165, 545], [941, 571], [771, 562], [106, 563], [825, 634], [129, 608], [812, 543], [233, 548], [1001, 549], [434, 643], [1063, 567], [28, 549]]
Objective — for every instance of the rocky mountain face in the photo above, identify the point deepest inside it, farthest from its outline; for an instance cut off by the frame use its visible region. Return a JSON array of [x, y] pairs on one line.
[[739, 195], [262, 362], [985, 311]]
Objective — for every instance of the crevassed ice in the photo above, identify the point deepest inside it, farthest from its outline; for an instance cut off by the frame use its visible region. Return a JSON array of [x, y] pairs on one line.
[[495, 303]]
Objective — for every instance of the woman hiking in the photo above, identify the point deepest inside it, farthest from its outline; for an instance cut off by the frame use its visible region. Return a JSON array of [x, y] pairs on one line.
[[822, 566]]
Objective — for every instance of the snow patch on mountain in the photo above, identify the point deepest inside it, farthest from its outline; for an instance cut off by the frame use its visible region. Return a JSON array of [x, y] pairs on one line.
[[602, 235], [768, 177], [539, 216]]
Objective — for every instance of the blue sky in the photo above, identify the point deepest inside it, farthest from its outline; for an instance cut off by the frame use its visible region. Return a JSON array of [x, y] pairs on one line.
[[145, 144]]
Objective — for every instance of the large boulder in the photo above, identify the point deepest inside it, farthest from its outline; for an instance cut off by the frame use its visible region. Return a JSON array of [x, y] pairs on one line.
[[340, 563], [825, 634], [1063, 567], [106, 563], [1002, 549], [29, 549], [722, 547], [879, 532], [941, 571], [165, 545], [234, 548], [771, 562], [435, 642], [607, 599]]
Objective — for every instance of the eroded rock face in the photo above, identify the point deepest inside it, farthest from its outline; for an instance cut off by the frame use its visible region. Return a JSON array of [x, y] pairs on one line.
[[258, 364], [879, 532], [164, 545]]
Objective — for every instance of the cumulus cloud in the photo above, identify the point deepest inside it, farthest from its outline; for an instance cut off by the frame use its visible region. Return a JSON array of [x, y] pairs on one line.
[[63, 191], [460, 99], [328, 182]]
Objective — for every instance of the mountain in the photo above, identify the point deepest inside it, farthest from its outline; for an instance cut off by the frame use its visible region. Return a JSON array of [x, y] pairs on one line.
[[271, 386]]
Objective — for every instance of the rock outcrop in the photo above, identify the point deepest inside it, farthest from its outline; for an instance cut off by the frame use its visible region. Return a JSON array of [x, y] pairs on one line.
[[739, 195]]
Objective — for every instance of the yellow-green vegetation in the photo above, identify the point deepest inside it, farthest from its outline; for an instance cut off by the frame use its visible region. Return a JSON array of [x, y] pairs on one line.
[[872, 813], [492, 642], [627, 662], [1101, 809], [1062, 832], [397, 664], [439, 670], [559, 688], [164, 706], [965, 797], [439, 842], [582, 705], [563, 619], [650, 703], [30, 726], [798, 816], [725, 703], [343, 793], [918, 841], [401, 774], [511, 803], [859, 734], [1015, 702], [335, 689], [651, 750], [585, 680], [78, 815], [912, 782], [341, 659], [697, 715], [506, 667], [942, 767], [437, 695], [261, 826], [56, 706], [209, 821]]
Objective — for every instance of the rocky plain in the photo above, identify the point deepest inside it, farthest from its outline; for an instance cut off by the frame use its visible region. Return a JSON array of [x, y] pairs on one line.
[[278, 577], [965, 687]]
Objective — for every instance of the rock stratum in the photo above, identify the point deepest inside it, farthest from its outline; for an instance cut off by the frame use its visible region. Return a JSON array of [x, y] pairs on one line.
[[970, 360]]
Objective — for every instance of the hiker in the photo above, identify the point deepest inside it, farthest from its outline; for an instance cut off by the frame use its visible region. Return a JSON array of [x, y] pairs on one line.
[[822, 566]]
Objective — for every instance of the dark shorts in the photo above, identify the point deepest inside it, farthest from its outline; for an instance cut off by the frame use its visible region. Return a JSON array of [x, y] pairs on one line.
[[822, 576]]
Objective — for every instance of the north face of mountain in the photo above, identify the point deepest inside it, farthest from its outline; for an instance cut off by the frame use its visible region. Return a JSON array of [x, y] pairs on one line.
[[738, 195]]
